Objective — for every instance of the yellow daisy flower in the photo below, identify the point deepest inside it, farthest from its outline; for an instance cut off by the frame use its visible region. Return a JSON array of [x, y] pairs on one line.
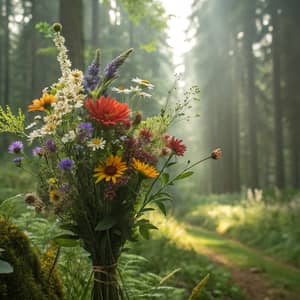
[[146, 169], [43, 103], [54, 196], [111, 169]]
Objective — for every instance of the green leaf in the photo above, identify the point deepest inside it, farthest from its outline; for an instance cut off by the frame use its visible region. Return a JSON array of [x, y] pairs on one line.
[[162, 207], [106, 223], [144, 228], [144, 232], [66, 240], [184, 175], [147, 209], [68, 226], [198, 288], [5, 267], [171, 163], [165, 178]]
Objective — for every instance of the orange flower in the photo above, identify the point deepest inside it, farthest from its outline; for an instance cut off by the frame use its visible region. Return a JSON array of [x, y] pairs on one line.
[[107, 111], [146, 169], [43, 103]]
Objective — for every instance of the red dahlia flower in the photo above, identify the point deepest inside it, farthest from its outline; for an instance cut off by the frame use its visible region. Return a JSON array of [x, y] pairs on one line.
[[176, 146], [107, 111]]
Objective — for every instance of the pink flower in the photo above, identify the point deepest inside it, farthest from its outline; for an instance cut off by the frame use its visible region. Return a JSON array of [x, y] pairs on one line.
[[176, 146]]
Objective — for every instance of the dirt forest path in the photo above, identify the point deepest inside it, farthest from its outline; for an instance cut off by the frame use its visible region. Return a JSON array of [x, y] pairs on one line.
[[261, 277]]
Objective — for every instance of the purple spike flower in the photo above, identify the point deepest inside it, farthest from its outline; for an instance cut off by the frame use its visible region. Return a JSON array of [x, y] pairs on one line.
[[15, 147], [66, 164], [110, 71], [92, 78]]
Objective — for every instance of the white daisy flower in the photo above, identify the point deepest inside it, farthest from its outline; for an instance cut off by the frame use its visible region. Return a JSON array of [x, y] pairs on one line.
[[135, 89], [143, 82], [145, 95], [121, 90], [96, 143]]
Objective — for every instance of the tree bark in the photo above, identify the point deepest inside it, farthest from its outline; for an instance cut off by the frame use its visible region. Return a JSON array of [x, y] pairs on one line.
[[6, 53], [279, 144], [71, 17], [250, 31], [95, 24]]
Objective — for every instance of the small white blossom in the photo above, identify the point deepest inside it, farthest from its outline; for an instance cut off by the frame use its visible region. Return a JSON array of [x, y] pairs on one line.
[[135, 89], [121, 90], [31, 125], [96, 143], [145, 95], [69, 137], [143, 82]]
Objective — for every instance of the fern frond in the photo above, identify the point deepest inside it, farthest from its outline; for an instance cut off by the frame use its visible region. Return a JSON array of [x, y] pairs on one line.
[[12, 123], [198, 288]]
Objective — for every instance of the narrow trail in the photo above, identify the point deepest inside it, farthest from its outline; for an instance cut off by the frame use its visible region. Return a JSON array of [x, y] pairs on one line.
[[261, 277]]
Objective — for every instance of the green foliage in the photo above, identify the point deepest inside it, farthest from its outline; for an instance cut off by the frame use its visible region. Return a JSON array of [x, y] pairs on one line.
[[164, 255], [266, 224], [11, 123], [30, 278], [198, 288], [46, 29]]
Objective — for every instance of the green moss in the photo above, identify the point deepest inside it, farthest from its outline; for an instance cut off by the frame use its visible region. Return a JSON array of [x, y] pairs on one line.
[[30, 279]]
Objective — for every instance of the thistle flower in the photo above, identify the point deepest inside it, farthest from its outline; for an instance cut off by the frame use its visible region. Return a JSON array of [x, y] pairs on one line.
[[111, 69], [50, 145], [37, 151], [85, 130], [18, 161], [145, 135], [66, 164], [15, 147]]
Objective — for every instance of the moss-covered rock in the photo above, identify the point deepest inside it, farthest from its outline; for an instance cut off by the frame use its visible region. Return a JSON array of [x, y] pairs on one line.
[[30, 279]]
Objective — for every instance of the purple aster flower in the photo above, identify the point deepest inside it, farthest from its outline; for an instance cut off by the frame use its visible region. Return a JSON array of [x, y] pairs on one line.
[[15, 147], [66, 164], [37, 151], [51, 147], [111, 69], [18, 161], [85, 130], [92, 78], [64, 188]]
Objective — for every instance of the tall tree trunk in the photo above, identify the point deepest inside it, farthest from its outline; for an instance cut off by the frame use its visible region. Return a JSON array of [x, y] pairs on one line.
[[33, 50], [71, 17], [95, 24], [6, 53], [250, 31], [1, 50], [277, 96]]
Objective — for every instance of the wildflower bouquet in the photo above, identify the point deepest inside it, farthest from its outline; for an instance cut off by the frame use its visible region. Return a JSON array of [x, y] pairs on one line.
[[100, 166]]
